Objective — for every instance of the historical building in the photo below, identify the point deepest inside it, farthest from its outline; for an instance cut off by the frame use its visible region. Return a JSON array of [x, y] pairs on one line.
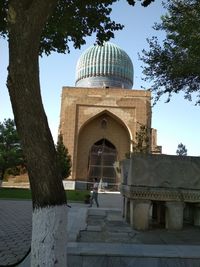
[[100, 116]]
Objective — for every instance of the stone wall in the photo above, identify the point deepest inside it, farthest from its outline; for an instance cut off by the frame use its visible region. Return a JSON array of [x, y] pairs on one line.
[[165, 171]]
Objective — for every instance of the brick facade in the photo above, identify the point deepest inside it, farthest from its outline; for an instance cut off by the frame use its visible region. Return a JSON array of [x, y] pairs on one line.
[[82, 113]]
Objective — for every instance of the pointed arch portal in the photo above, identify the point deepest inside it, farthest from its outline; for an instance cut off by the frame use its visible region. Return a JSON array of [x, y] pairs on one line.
[[102, 157], [102, 140]]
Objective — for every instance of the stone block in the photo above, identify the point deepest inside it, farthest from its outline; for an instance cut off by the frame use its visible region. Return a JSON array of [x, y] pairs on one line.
[[197, 215], [139, 214], [164, 171], [174, 215]]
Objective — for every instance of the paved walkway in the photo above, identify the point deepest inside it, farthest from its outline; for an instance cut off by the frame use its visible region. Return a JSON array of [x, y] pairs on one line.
[[104, 226], [16, 225], [108, 226], [15, 230]]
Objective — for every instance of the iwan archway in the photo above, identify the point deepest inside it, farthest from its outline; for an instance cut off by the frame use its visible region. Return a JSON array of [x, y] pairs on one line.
[[102, 157], [102, 140]]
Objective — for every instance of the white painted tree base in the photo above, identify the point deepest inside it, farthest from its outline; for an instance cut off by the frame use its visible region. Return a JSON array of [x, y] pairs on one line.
[[49, 237]]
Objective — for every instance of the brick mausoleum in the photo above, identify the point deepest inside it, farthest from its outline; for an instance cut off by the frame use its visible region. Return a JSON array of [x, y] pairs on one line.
[[100, 116]]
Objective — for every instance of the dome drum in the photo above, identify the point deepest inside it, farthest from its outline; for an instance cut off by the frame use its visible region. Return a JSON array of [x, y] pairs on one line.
[[102, 82]]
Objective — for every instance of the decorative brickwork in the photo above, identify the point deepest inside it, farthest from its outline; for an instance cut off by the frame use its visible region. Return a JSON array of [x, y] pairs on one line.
[[160, 194], [82, 112]]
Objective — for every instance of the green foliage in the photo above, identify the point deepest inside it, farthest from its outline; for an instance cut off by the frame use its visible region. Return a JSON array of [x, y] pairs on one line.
[[75, 20], [11, 154], [72, 21], [174, 65], [64, 159], [142, 143], [3, 17], [181, 150]]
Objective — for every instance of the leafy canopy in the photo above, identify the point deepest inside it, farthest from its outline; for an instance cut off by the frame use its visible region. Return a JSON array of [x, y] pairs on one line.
[[10, 148], [181, 150], [142, 141], [11, 154], [73, 20], [174, 65], [64, 159], [142, 144]]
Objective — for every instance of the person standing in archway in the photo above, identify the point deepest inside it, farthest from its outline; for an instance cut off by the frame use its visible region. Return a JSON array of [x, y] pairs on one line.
[[95, 193]]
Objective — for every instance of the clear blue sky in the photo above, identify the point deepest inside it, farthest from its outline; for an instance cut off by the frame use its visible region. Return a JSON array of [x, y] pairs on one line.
[[175, 122]]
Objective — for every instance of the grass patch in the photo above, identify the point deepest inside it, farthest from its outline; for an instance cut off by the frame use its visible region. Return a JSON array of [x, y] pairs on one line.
[[19, 193], [77, 195], [15, 193]]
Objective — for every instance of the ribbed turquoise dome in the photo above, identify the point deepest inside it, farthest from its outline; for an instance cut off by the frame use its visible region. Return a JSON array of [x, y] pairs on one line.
[[104, 66]]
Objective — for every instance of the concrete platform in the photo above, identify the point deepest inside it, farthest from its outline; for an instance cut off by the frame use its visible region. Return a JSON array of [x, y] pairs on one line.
[[117, 244], [132, 255]]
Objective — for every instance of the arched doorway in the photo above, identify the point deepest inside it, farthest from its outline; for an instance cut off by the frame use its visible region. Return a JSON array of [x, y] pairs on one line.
[[102, 126], [102, 157]]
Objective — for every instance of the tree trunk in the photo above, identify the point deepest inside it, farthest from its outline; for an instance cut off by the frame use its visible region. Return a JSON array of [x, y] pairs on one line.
[[26, 21]]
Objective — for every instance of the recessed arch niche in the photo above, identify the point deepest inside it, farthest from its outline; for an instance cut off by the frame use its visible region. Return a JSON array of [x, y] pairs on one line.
[[104, 128]]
